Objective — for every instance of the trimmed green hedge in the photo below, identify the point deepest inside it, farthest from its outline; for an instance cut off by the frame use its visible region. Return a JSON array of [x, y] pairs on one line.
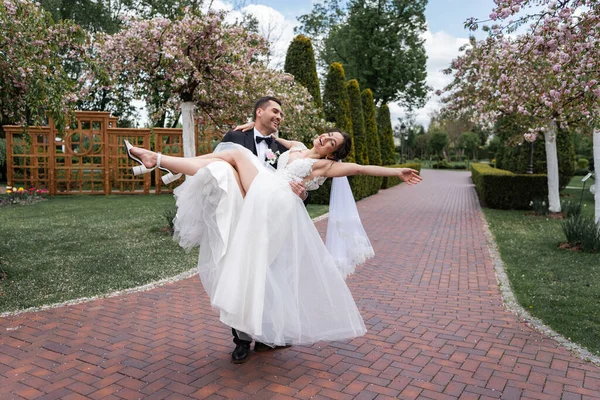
[[362, 185], [502, 189]]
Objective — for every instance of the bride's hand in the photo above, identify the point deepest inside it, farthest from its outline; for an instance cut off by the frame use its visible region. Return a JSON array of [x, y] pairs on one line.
[[409, 175], [246, 127]]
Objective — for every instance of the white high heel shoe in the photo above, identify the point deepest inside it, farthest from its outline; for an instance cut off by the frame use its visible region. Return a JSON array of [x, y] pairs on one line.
[[138, 169], [169, 177]]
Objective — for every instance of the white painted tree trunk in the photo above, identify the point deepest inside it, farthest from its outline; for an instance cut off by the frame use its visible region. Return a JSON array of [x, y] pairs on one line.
[[552, 165], [597, 175], [189, 131]]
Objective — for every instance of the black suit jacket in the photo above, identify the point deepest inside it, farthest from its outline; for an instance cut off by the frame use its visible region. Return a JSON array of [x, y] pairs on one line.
[[246, 139]]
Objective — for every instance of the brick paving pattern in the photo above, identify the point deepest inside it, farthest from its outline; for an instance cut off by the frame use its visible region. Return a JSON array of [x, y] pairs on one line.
[[437, 328]]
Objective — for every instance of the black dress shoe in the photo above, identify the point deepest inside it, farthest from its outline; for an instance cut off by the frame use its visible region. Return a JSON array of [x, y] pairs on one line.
[[260, 347], [240, 353]]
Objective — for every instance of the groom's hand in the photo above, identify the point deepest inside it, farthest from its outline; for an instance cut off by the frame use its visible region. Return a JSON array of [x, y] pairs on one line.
[[299, 189]]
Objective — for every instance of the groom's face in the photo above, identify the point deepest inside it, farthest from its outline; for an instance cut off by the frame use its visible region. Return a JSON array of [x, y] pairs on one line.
[[269, 118]]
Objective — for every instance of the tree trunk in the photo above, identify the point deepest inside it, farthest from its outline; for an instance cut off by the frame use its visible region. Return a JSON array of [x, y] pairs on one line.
[[596, 174], [552, 164], [189, 133]]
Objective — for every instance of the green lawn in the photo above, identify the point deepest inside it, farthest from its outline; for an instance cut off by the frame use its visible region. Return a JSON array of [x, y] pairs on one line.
[[79, 246], [560, 287]]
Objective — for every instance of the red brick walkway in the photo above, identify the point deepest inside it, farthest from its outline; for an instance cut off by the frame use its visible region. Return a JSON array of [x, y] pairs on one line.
[[437, 328]]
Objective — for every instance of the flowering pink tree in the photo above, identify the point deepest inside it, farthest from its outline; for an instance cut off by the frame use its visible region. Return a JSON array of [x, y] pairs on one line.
[[548, 75], [35, 55], [212, 69]]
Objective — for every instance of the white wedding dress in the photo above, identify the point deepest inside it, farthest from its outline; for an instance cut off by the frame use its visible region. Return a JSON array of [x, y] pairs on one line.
[[262, 261]]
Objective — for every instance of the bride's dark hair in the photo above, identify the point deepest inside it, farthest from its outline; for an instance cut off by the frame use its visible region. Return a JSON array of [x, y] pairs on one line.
[[345, 148]]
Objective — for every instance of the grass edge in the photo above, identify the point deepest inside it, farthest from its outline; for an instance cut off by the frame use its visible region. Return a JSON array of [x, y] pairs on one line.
[[511, 304]]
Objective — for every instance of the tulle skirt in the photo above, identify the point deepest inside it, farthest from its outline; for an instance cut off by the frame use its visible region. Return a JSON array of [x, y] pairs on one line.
[[262, 262]]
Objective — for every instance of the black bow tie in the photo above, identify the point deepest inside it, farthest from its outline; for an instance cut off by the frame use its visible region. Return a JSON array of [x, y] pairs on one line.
[[268, 139]]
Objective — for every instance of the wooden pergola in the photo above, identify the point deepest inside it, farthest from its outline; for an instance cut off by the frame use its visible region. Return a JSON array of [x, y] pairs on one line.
[[89, 157]]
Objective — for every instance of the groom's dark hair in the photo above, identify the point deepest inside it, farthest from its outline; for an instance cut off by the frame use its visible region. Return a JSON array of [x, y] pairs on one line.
[[262, 102]]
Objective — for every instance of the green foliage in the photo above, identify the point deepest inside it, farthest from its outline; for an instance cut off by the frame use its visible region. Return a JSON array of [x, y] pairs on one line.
[[570, 208], [358, 123], [583, 144], [494, 147], [170, 215], [566, 156], [422, 145], [37, 57], [539, 206], [336, 103], [438, 142], [582, 232], [386, 135], [93, 15], [469, 141], [582, 163], [2, 152], [373, 145], [379, 43], [502, 189], [513, 154], [300, 62]]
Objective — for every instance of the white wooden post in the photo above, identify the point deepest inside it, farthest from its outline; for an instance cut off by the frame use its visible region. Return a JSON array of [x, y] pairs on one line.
[[552, 165], [189, 131]]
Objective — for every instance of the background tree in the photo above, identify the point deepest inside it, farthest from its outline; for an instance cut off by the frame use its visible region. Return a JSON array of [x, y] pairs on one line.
[[438, 142], [358, 122], [336, 103], [422, 145], [386, 135], [300, 62], [203, 67], [469, 142], [548, 74], [93, 15], [379, 43], [33, 79], [373, 145]]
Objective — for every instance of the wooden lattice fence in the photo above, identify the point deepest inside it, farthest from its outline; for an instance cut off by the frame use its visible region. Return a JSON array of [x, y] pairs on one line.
[[89, 158]]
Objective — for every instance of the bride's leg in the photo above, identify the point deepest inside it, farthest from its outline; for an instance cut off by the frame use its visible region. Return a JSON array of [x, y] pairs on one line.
[[245, 168], [246, 171], [188, 166]]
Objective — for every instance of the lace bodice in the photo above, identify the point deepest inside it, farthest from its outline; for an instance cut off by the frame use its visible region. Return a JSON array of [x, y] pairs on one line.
[[298, 169]]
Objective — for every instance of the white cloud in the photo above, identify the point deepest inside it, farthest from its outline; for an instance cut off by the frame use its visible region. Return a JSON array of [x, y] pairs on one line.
[[276, 29], [441, 48]]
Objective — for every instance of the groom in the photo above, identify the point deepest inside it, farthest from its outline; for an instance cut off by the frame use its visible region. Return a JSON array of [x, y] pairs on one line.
[[267, 118]]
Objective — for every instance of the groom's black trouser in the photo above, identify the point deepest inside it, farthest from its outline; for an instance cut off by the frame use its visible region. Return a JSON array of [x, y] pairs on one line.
[[237, 340]]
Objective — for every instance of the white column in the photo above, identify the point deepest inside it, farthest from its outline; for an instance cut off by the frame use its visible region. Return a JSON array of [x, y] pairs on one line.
[[597, 175], [552, 165], [189, 131]]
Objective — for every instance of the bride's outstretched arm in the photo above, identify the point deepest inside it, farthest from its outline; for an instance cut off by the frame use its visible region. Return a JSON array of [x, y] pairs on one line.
[[332, 169]]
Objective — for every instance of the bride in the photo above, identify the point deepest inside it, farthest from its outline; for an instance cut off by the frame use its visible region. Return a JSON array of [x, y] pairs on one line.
[[276, 282]]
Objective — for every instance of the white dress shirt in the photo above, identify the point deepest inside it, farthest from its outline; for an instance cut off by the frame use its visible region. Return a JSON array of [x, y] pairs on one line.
[[261, 148]]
